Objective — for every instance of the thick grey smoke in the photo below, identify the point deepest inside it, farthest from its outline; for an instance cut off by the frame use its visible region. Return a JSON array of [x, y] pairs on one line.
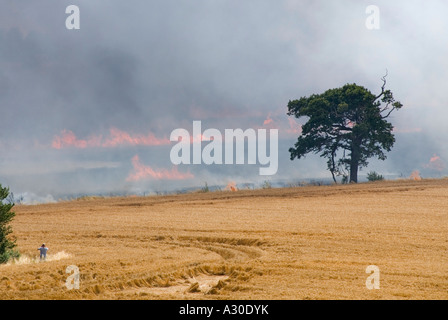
[[148, 67]]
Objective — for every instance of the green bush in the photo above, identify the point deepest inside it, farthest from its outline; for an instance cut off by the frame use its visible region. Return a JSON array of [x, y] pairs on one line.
[[266, 185], [373, 176], [205, 189]]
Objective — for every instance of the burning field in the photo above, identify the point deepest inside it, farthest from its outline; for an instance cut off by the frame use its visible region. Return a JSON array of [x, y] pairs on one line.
[[295, 243]]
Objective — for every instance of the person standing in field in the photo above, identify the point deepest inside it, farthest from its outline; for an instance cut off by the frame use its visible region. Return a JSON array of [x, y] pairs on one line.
[[43, 252]]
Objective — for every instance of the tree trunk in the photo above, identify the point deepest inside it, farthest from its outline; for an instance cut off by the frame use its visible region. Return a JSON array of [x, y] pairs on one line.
[[354, 161], [334, 178], [333, 167]]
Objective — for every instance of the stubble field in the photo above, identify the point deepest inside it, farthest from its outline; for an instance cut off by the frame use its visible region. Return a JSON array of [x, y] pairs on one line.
[[295, 243]]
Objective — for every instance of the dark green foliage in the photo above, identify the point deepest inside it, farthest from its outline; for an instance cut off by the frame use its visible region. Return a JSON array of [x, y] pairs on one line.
[[347, 126], [7, 244], [373, 176]]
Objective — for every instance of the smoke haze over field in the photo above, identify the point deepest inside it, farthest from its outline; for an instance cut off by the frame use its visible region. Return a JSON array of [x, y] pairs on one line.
[[91, 110]]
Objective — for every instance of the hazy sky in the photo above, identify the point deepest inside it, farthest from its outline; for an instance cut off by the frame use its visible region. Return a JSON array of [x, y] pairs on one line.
[[85, 110]]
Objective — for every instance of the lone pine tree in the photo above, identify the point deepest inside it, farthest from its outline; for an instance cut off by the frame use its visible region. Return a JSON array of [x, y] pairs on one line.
[[347, 126]]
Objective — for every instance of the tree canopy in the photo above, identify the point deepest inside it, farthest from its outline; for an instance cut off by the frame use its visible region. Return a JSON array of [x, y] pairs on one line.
[[347, 126]]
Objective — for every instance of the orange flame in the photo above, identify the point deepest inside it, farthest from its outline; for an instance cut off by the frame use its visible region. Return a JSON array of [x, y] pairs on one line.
[[116, 137], [231, 186], [145, 172], [68, 138], [435, 163], [415, 176], [293, 127], [268, 120]]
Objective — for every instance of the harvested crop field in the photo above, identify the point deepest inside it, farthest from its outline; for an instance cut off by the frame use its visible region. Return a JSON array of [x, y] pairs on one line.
[[310, 242]]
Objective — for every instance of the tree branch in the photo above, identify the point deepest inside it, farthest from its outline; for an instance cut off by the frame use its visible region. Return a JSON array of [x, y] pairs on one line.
[[383, 87], [389, 113], [342, 127]]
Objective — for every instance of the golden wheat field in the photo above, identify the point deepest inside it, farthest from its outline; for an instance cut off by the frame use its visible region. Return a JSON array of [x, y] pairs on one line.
[[294, 243]]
